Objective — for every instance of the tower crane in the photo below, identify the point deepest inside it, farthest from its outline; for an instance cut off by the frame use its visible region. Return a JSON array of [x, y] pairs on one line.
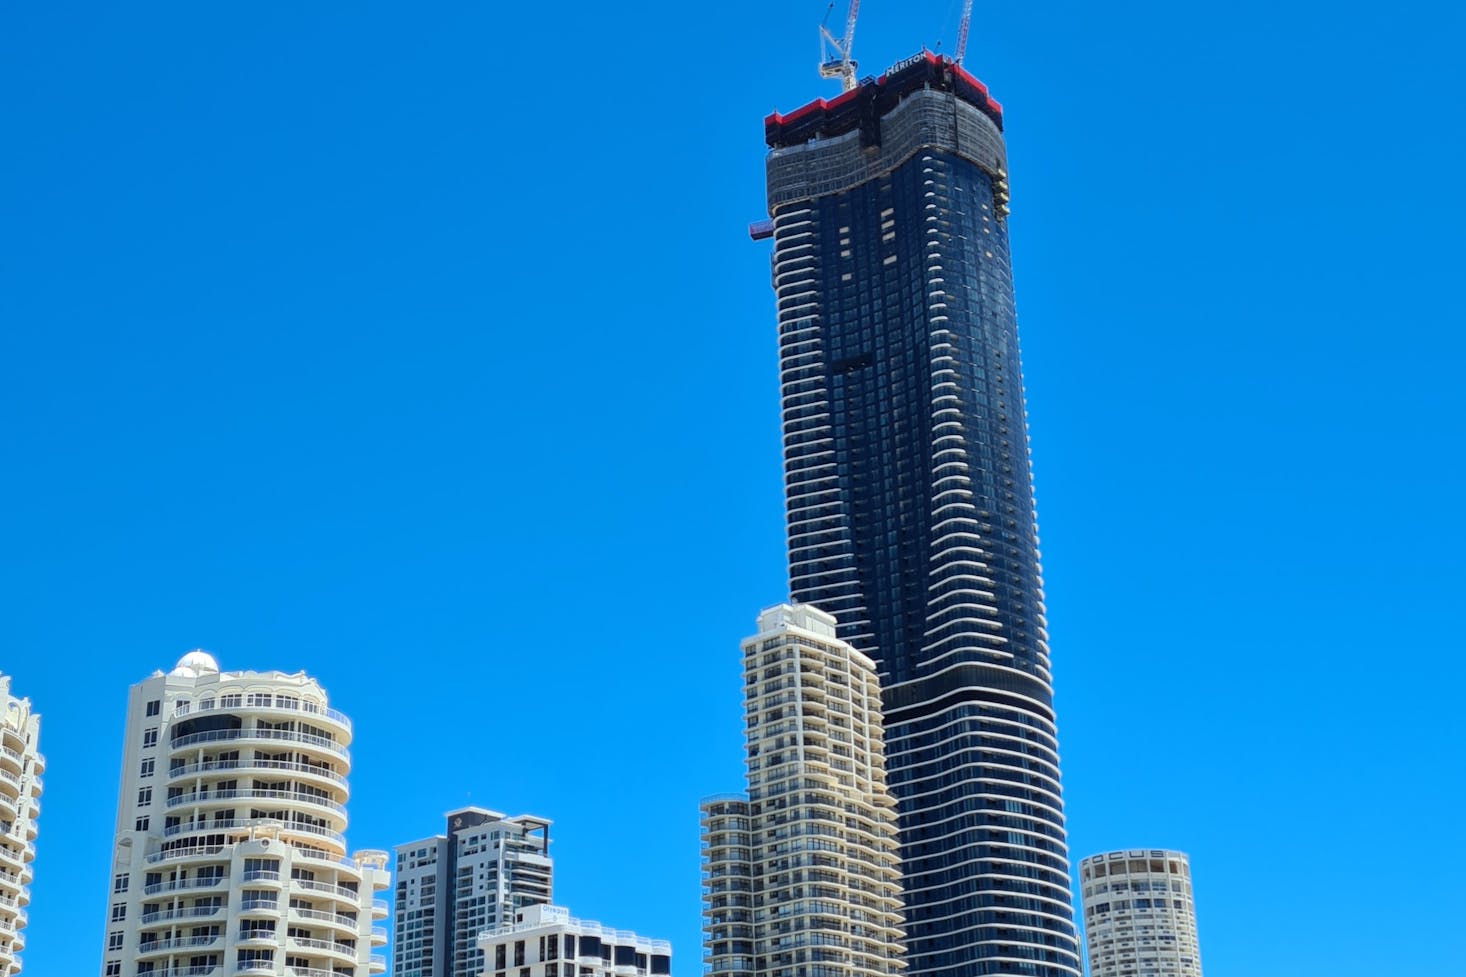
[[835, 60], [962, 30]]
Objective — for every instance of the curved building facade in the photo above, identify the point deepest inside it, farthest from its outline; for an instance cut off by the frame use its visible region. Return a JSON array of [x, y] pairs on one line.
[[909, 497], [230, 854], [1139, 914], [20, 789]]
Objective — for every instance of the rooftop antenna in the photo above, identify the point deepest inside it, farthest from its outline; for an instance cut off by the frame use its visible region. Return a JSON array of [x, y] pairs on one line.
[[962, 30], [835, 60]]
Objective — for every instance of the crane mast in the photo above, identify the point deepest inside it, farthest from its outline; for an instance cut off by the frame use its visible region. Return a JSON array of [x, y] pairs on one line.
[[835, 60], [962, 30]]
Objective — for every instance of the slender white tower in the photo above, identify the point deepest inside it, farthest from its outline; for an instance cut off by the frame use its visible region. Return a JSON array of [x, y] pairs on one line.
[[230, 856], [1139, 916], [802, 873], [20, 786]]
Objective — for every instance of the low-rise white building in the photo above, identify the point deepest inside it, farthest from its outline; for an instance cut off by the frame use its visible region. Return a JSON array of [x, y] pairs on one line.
[[546, 941], [20, 788]]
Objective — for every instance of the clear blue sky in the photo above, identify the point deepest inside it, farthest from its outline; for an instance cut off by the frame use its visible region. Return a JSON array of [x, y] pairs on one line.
[[421, 347]]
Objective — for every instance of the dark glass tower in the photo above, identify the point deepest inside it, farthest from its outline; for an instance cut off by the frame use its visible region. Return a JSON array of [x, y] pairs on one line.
[[909, 498]]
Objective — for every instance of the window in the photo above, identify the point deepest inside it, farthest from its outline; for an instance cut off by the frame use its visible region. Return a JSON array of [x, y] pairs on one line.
[[180, 708], [119, 883], [154, 707], [146, 770], [141, 824], [119, 912], [114, 940], [145, 797], [150, 738], [114, 968]]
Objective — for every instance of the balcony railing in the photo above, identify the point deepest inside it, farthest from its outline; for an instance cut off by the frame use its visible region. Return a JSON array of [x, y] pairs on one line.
[[206, 882], [181, 943], [212, 766], [282, 735], [245, 705], [195, 912], [249, 793]]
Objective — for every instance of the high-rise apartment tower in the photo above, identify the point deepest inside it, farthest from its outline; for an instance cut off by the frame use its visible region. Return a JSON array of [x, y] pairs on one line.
[[229, 856], [454, 886], [802, 876], [20, 788], [1139, 915], [909, 501]]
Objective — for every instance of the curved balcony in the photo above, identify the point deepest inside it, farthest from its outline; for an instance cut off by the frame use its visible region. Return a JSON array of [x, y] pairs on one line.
[[255, 967], [377, 963], [261, 735], [192, 912], [252, 705], [262, 877], [339, 892], [213, 853], [250, 765], [380, 909], [180, 944], [258, 936], [344, 952], [208, 798], [338, 862], [334, 920], [242, 826], [207, 882], [268, 907], [379, 936]]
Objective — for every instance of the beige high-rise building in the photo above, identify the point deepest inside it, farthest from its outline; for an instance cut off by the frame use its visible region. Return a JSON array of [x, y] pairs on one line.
[[802, 876], [230, 856], [20, 788], [1139, 915]]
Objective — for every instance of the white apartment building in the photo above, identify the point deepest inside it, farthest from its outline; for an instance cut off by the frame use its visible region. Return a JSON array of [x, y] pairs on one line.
[[545, 941], [230, 854], [454, 886], [20, 788], [1139, 914], [802, 874]]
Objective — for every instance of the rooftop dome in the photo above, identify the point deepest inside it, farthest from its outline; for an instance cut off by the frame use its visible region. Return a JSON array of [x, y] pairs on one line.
[[195, 663]]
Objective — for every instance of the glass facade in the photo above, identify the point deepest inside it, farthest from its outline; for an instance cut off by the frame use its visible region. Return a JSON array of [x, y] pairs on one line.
[[909, 497]]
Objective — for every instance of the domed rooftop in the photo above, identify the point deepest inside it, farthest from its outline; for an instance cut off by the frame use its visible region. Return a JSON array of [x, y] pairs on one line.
[[195, 663]]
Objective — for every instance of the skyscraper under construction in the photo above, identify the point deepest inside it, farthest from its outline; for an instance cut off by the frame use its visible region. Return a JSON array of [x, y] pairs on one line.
[[909, 497]]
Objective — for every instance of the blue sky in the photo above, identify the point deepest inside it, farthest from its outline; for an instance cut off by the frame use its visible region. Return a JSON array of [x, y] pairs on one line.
[[421, 347]]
